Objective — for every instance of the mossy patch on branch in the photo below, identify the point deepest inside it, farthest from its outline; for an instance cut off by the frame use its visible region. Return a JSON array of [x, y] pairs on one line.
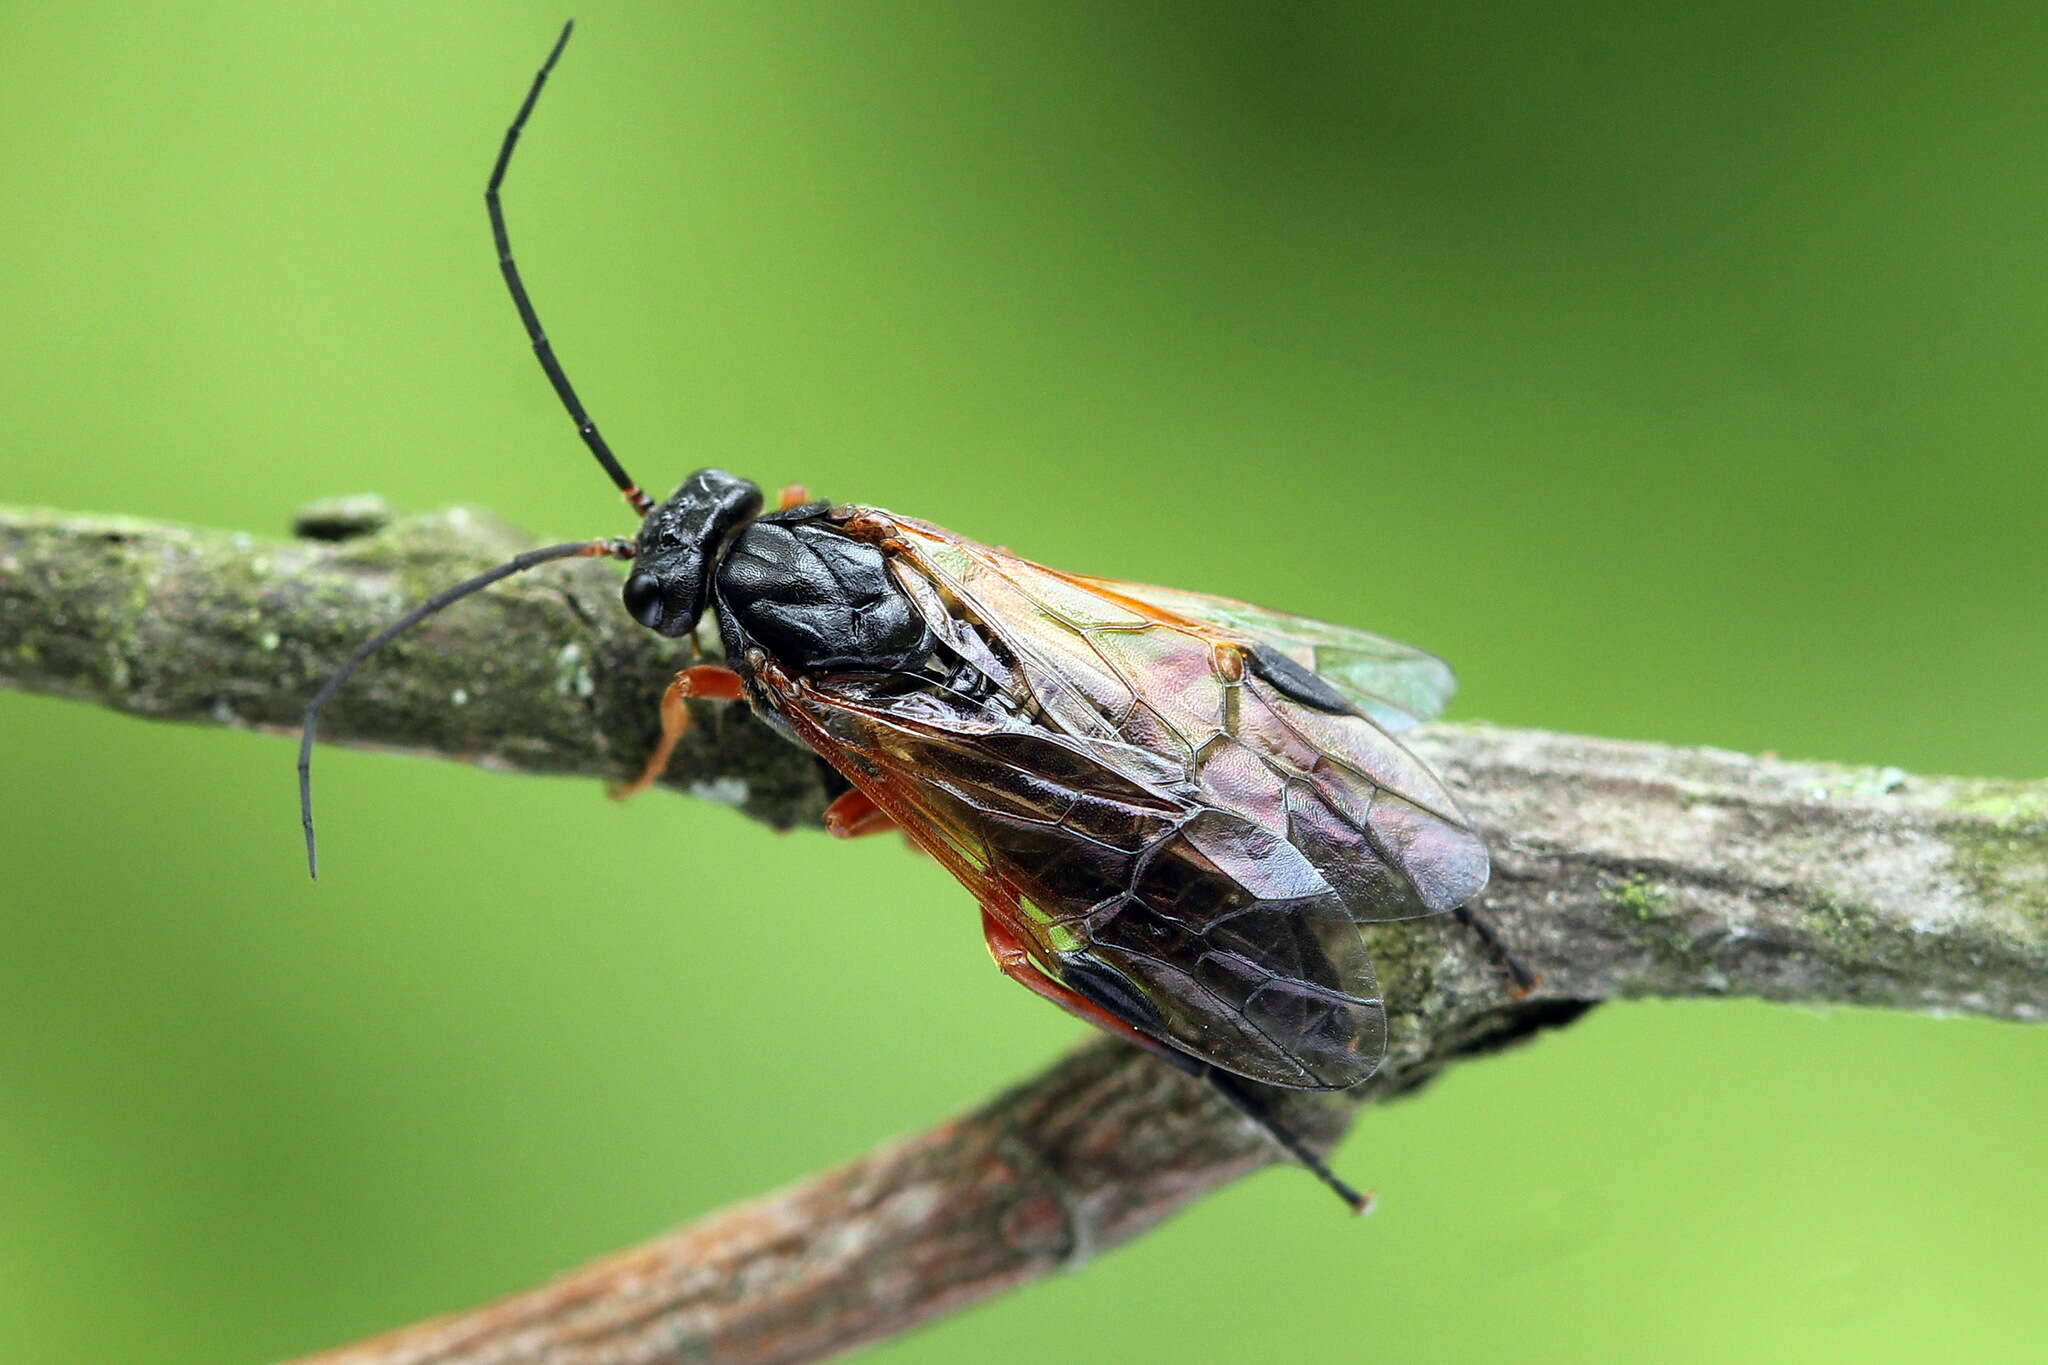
[[1640, 895]]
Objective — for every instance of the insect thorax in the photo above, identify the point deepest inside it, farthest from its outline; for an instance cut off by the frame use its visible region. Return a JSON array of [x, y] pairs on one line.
[[816, 600]]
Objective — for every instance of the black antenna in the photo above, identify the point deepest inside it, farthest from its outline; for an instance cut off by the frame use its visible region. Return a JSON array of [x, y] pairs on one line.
[[564, 390], [587, 549]]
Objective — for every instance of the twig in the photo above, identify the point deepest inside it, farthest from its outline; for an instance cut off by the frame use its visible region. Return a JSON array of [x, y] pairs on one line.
[[1620, 870]]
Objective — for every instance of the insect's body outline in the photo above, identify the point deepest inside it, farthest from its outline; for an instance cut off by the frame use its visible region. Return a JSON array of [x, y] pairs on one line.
[[1204, 886], [1174, 810]]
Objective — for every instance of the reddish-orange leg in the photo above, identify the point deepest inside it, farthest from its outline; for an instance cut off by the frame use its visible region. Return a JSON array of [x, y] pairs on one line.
[[793, 495], [713, 682], [1014, 962], [853, 815], [1011, 959]]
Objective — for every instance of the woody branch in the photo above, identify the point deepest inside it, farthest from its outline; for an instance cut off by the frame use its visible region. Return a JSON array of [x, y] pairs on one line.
[[1620, 870]]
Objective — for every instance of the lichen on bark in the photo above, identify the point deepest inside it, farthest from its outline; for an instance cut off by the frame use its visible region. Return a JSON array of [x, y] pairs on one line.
[[543, 674]]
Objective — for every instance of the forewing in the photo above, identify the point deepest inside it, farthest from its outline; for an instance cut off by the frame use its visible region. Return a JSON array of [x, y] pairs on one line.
[[1176, 826], [1242, 734], [1197, 925], [1396, 685]]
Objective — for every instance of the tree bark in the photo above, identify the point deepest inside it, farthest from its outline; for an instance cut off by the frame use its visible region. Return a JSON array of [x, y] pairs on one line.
[[1620, 869]]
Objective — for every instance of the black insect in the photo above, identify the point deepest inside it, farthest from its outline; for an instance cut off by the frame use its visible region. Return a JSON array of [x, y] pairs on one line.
[[1174, 810]]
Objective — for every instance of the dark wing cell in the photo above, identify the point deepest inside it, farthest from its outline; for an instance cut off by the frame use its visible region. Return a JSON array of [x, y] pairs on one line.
[[1297, 682]]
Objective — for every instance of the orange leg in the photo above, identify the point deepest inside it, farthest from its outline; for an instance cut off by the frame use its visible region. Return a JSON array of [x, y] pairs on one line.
[[792, 495], [713, 682], [1014, 962], [853, 815]]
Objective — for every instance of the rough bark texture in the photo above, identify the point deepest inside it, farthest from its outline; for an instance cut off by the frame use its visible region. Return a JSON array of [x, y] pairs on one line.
[[1620, 870]]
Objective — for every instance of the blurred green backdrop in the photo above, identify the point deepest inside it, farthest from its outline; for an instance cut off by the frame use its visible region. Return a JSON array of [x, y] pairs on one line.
[[1675, 370]]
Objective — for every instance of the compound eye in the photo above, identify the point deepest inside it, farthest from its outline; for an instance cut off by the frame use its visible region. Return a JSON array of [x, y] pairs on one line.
[[642, 594]]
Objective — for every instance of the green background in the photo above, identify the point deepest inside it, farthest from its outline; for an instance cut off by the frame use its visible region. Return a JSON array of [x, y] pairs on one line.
[[1674, 370]]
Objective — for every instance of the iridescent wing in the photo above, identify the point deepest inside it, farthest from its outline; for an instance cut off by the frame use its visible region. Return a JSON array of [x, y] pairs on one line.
[[1397, 686], [1242, 725], [1178, 824]]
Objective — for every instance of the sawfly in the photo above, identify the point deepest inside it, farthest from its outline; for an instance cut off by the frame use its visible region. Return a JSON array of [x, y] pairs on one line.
[[1174, 810]]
